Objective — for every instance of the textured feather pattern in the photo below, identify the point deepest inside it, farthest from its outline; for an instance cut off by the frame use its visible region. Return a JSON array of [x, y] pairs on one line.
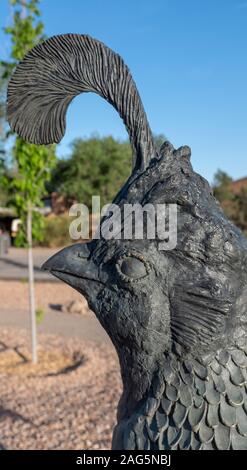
[[199, 405], [57, 70]]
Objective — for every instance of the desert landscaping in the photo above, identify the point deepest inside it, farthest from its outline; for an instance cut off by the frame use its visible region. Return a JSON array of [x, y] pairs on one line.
[[69, 398]]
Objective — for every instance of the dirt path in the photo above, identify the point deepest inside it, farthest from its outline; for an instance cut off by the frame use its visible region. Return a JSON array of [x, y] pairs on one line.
[[14, 265], [49, 297]]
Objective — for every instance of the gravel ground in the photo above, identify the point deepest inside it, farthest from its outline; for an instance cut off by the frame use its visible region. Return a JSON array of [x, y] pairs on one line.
[[67, 401], [14, 295]]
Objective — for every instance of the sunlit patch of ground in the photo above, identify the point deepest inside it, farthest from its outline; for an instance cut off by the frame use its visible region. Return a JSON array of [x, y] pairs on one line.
[[18, 361]]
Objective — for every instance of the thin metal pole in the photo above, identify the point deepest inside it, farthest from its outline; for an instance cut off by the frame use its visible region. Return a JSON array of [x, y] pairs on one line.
[[31, 286]]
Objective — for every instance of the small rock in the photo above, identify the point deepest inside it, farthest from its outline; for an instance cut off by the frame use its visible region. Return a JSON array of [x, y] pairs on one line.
[[79, 306]]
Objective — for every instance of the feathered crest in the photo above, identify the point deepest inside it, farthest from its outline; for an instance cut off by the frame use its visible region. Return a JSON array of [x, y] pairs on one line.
[[54, 72]]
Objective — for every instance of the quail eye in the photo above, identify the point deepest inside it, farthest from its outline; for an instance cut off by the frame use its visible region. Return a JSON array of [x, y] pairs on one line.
[[132, 267]]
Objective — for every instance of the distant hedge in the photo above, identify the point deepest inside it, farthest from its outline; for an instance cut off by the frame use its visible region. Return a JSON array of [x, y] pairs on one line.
[[56, 231]]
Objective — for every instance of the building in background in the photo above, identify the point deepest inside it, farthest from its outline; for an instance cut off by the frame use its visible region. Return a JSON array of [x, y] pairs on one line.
[[54, 205], [238, 185]]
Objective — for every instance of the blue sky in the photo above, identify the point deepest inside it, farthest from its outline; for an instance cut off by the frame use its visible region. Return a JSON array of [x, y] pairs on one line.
[[189, 60]]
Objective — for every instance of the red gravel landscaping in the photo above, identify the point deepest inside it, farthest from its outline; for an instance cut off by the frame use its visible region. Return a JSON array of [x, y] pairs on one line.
[[67, 401]]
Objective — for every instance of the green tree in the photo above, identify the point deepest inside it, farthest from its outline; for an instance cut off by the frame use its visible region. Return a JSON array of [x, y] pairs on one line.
[[28, 186], [4, 190], [27, 190], [241, 200], [2, 108], [159, 139], [34, 164], [222, 186], [97, 166]]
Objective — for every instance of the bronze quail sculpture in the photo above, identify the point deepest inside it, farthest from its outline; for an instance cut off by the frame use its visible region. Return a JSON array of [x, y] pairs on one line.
[[176, 318]]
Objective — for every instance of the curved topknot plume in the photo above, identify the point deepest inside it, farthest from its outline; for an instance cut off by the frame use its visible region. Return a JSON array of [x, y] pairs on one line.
[[54, 72]]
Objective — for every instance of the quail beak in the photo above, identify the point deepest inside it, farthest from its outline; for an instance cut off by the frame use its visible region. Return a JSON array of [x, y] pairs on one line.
[[74, 266]]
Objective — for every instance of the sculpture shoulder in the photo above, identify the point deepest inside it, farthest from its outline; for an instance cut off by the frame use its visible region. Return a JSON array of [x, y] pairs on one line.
[[199, 406]]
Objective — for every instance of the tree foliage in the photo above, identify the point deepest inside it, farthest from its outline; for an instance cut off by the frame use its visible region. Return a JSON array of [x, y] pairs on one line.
[[159, 139], [3, 85], [28, 186], [222, 186], [33, 163], [25, 32], [4, 186], [97, 166]]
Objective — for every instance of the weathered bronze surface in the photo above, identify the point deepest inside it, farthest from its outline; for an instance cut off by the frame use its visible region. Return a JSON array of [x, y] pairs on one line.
[[176, 318]]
